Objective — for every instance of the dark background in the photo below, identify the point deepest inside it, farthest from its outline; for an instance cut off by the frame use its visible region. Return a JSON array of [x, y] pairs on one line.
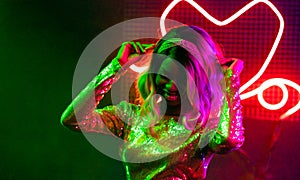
[[40, 44]]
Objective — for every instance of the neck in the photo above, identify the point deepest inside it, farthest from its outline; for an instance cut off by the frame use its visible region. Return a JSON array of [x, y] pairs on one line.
[[173, 111]]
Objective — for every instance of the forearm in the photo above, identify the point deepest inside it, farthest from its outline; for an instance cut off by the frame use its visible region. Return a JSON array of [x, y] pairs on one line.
[[84, 105], [230, 132]]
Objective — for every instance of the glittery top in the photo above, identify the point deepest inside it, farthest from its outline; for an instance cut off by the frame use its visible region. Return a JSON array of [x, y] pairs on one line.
[[184, 160]]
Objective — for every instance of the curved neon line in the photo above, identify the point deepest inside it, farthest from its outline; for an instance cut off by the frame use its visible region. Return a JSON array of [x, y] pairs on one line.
[[164, 15], [267, 83], [265, 86], [229, 20], [281, 83]]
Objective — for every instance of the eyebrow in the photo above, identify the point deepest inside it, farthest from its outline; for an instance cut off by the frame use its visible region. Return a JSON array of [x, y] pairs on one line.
[[162, 76]]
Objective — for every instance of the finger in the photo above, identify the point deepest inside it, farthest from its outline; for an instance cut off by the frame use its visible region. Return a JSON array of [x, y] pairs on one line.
[[140, 47], [237, 66], [136, 49], [128, 48], [148, 46]]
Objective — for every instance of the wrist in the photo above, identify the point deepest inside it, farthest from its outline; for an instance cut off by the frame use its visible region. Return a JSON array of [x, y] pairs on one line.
[[116, 64]]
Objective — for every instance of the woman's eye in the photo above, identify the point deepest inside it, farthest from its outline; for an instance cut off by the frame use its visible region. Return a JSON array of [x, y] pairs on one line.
[[161, 79]]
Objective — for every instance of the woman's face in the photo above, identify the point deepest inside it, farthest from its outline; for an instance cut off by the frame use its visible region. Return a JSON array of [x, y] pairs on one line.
[[167, 78]]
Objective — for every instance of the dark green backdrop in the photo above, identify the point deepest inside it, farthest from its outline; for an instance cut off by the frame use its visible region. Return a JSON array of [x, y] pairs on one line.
[[40, 44]]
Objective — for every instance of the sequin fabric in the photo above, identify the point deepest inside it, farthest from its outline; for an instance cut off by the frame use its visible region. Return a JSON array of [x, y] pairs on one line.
[[166, 150]]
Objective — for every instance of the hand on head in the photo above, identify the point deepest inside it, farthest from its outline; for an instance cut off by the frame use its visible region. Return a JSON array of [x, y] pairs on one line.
[[131, 50]]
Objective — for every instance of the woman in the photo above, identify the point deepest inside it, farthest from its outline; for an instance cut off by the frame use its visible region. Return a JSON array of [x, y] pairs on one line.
[[186, 116]]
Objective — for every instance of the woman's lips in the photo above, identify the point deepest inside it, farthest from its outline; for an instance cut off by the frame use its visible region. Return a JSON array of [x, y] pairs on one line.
[[171, 95]]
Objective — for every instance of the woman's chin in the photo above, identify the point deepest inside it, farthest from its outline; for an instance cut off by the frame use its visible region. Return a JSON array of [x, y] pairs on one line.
[[173, 102]]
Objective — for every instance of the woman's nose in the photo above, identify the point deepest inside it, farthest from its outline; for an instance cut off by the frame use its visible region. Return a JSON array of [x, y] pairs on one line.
[[171, 86]]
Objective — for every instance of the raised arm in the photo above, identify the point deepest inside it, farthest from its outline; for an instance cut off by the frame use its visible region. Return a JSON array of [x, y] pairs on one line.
[[230, 132], [82, 114]]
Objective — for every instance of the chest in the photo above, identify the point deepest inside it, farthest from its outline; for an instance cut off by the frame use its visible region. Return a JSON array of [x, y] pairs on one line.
[[173, 141]]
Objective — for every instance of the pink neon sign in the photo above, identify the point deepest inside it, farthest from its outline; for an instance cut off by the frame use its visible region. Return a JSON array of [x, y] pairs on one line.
[[280, 82]]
